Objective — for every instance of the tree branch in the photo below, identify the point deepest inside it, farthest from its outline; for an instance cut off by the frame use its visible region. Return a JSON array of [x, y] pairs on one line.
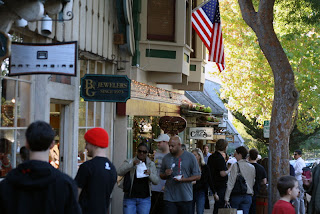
[[248, 13], [266, 7]]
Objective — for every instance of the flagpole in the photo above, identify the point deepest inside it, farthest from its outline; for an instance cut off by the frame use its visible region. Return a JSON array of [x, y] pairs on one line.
[[200, 5]]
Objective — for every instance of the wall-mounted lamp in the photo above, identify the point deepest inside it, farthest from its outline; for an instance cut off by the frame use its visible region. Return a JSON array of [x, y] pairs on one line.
[[46, 25], [21, 23]]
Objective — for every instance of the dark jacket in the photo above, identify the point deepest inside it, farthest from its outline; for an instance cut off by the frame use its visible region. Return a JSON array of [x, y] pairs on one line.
[[37, 187], [314, 191], [216, 164]]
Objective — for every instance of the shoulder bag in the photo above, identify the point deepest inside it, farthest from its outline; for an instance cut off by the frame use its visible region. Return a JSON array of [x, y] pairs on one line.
[[240, 186]]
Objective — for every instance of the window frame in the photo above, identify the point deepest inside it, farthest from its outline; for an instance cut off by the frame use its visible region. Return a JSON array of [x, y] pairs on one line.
[[15, 128]]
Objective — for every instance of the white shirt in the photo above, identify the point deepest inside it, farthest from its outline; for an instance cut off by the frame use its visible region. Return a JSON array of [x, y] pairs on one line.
[[298, 168], [232, 160]]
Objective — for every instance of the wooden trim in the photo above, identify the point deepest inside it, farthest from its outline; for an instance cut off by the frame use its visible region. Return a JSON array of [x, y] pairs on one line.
[[146, 108]]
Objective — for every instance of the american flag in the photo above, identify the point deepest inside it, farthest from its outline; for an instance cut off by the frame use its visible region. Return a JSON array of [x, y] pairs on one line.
[[206, 22]]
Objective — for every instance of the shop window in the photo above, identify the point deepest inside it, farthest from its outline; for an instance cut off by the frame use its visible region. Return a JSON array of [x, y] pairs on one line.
[[145, 129], [14, 117], [90, 113], [161, 20]]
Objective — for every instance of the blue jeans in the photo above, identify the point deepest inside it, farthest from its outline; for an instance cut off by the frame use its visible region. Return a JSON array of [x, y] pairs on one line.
[[199, 201], [241, 202], [136, 205]]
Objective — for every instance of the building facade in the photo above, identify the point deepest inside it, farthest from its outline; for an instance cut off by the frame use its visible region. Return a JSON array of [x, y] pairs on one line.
[[149, 41]]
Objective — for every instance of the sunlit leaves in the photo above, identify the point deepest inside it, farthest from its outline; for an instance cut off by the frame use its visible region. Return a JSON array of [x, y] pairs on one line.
[[248, 81]]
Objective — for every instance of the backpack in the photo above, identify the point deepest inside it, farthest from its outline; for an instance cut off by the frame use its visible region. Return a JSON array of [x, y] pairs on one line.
[[240, 186]]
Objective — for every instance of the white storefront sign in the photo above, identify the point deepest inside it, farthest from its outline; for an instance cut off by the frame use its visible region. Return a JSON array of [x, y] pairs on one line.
[[47, 58], [201, 133]]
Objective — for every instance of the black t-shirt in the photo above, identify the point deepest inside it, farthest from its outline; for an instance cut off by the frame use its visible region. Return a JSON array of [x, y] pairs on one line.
[[140, 187], [217, 163], [260, 174], [96, 178], [204, 182]]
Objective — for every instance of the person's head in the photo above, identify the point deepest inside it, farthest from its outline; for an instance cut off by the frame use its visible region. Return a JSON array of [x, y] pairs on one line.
[[96, 138], [221, 145], [288, 186], [162, 141], [199, 156], [297, 154], [241, 153], [175, 145], [205, 149], [183, 147], [24, 153], [142, 151], [253, 154], [39, 136]]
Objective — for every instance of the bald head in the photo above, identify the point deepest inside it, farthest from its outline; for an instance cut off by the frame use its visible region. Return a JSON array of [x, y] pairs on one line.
[[175, 145]]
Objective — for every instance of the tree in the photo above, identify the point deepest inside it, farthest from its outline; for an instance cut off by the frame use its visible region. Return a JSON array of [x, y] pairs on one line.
[[248, 81], [285, 93]]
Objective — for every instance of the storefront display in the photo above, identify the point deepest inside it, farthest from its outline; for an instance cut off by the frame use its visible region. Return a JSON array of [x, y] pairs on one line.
[[145, 129], [5, 162]]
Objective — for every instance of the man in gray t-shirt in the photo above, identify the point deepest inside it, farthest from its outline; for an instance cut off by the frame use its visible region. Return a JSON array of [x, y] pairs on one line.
[[179, 168]]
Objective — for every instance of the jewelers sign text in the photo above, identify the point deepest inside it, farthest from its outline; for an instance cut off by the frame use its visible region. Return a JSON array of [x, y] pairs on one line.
[[105, 88]]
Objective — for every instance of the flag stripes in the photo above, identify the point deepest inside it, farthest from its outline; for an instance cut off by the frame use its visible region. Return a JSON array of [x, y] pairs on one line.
[[206, 22]]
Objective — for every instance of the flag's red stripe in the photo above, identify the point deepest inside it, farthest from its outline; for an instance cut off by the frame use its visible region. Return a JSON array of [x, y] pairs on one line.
[[202, 30], [203, 19], [213, 42], [216, 36], [201, 36]]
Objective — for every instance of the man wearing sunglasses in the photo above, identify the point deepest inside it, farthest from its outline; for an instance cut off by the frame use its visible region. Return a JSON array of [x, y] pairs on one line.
[[137, 185], [299, 165]]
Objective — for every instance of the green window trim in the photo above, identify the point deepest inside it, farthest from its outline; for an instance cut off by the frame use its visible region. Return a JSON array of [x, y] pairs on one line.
[[193, 67], [161, 53]]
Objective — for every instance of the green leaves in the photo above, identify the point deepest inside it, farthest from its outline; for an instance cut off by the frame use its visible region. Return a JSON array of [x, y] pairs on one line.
[[247, 82]]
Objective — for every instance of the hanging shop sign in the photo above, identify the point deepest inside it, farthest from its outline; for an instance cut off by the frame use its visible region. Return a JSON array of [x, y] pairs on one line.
[[46, 58], [172, 125], [201, 133], [105, 88]]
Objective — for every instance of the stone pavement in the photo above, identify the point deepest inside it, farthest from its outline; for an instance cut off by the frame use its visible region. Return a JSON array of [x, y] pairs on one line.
[[211, 201]]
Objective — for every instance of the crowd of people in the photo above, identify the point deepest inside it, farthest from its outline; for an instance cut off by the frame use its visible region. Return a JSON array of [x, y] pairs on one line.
[[174, 181], [35, 186]]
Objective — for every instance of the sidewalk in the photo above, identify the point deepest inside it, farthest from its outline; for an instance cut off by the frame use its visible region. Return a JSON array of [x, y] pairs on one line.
[[211, 201]]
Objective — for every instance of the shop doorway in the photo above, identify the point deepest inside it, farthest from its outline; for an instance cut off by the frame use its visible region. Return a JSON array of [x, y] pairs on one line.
[[55, 121], [59, 114]]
